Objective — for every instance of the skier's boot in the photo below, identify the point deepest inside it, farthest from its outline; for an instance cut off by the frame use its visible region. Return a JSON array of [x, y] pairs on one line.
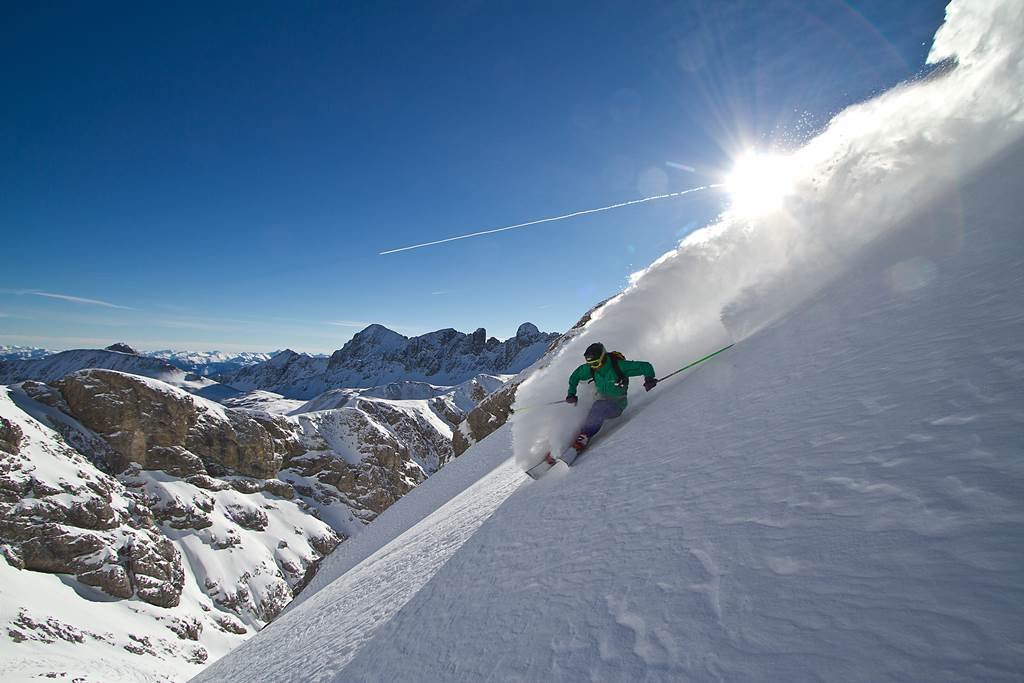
[[580, 444], [549, 459]]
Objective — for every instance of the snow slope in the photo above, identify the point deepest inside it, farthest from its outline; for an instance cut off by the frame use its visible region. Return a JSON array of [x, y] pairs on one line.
[[837, 497]]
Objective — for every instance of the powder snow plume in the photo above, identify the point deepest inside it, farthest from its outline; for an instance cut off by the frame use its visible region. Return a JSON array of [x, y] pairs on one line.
[[877, 165]]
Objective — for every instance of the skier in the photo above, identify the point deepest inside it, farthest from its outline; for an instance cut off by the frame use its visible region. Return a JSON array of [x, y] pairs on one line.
[[610, 372]]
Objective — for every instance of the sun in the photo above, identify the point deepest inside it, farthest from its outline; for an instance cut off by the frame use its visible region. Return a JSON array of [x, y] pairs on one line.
[[759, 182]]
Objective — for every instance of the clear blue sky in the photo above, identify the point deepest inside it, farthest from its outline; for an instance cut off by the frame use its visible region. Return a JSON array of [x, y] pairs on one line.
[[223, 175]]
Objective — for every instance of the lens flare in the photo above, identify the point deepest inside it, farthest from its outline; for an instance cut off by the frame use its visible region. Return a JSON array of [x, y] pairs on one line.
[[759, 183]]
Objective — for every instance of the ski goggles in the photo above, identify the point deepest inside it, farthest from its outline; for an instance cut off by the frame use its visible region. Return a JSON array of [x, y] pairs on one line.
[[596, 362]]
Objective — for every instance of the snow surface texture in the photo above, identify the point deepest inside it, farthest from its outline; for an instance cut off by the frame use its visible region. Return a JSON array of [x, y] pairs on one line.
[[837, 497]]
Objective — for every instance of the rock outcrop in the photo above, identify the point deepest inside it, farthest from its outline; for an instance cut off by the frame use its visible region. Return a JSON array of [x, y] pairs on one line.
[[84, 523], [160, 427], [368, 479], [122, 347], [10, 436]]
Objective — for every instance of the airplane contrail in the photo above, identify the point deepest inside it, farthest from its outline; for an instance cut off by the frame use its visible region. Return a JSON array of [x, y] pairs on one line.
[[554, 218]]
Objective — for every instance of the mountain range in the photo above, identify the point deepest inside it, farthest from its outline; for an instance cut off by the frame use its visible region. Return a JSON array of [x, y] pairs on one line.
[[192, 512], [377, 356], [203, 363]]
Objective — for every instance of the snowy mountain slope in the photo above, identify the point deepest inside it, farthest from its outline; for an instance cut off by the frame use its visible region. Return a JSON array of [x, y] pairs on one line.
[[378, 356], [60, 364], [835, 498], [420, 503], [262, 401]]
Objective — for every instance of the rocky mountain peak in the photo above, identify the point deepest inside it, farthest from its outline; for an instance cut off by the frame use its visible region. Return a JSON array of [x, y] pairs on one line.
[[282, 358], [374, 340], [122, 347], [376, 356], [527, 332]]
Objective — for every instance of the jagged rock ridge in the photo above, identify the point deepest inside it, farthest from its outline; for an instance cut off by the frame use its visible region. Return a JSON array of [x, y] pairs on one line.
[[376, 356]]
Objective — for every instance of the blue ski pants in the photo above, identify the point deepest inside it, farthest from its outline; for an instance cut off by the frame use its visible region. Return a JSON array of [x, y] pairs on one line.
[[603, 409]]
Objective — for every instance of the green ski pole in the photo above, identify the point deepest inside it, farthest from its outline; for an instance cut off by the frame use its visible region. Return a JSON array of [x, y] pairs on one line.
[[535, 405], [686, 367]]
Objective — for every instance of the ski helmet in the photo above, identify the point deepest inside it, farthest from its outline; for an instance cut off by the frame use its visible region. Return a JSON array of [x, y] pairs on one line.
[[594, 355]]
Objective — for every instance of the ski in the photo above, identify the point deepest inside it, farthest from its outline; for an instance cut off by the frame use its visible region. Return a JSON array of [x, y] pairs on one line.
[[568, 456], [541, 468]]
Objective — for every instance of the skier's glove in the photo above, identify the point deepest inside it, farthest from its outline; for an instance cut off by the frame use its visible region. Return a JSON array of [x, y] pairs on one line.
[[650, 383], [573, 400]]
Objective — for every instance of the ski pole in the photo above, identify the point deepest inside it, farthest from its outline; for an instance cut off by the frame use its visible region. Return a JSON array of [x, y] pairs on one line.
[[685, 367], [536, 405]]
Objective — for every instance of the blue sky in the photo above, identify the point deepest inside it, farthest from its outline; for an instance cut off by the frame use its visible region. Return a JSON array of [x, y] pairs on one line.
[[223, 175]]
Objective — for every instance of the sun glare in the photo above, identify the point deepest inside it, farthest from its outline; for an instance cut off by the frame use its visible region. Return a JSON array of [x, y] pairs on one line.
[[759, 182]]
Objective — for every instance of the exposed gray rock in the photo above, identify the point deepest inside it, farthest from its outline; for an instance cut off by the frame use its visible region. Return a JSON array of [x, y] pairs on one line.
[[138, 421], [122, 347], [384, 472], [10, 436], [251, 518], [112, 579], [160, 427]]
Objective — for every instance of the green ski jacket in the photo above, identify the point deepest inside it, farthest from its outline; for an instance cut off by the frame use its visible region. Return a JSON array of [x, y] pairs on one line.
[[605, 378]]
